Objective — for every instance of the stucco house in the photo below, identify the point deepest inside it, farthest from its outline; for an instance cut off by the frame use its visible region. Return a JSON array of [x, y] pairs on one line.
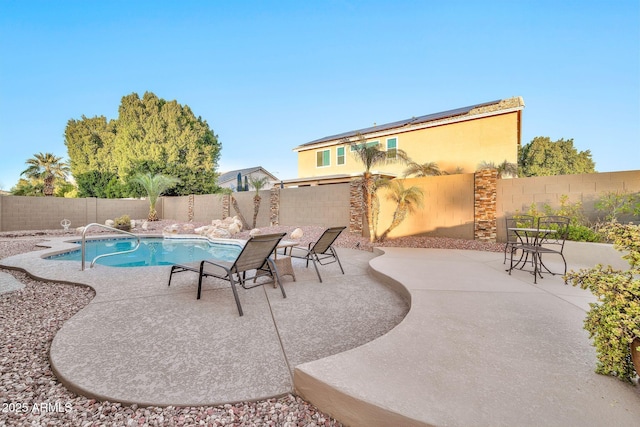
[[230, 179], [457, 140]]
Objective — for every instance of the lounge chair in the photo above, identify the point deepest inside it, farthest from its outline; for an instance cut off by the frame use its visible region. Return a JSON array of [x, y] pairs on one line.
[[320, 252], [254, 256]]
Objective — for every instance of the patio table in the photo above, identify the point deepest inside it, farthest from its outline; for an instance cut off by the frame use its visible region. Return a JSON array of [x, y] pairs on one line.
[[283, 261], [530, 238]]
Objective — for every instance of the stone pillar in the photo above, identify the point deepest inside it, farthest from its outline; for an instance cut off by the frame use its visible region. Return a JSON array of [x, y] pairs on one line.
[[274, 203], [226, 206], [190, 205], [485, 183], [356, 206]]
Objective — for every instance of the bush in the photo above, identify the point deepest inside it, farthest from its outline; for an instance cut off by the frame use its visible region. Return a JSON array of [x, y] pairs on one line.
[[123, 222], [582, 233], [614, 321]]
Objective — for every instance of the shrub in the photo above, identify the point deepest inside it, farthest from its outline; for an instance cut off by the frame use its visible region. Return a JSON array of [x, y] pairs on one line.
[[614, 321], [123, 222]]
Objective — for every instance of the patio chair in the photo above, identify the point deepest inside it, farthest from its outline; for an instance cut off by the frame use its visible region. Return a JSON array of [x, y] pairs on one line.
[[321, 251], [254, 257], [549, 239], [522, 221]]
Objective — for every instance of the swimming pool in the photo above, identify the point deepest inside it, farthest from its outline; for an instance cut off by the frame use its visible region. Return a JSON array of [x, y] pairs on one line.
[[153, 251]]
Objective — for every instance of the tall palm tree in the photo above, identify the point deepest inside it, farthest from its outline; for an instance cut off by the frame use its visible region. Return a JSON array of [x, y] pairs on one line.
[[257, 184], [407, 201], [370, 156], [47, 167], [424, 169], [154, 185]]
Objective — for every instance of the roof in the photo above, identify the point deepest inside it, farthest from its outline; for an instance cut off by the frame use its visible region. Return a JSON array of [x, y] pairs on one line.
[[494, 107], [233, 175]]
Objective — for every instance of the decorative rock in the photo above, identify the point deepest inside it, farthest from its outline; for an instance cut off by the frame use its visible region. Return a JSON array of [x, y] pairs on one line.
[[188, 227], [171, 229], [133, 223], [255, 232], [145, 225], [220, 233], [234, 228], [80, 230], [297, 234], [109, 223]]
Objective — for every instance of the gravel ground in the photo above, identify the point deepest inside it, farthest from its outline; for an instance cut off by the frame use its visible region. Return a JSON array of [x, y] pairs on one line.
[[31, 395]]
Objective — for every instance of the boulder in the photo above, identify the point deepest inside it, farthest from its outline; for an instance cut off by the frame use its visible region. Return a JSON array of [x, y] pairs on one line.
[[255, 232], [234, 228], [109, 223], [297, 234], [145, 226], [220, 233]]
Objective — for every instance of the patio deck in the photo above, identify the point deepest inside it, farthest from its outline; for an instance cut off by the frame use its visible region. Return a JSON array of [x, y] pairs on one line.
[[478, 347]]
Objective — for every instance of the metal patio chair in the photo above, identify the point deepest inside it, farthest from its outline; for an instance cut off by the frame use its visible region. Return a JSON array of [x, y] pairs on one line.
[[254, 258], [321, 251], [521, 221], [549, 239]]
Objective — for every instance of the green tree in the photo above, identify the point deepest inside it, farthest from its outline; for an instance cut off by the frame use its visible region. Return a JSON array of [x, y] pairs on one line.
[[407, 200], [424, 169], [371, 155], [48, 168], [28, 187], [257, 184], [154, 185], [150, 135], [543, 157]]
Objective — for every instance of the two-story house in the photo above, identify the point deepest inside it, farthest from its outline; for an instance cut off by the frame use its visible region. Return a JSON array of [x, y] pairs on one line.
[[457, 140]]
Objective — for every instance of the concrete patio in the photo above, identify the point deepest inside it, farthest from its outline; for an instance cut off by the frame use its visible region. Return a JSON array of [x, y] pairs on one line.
[[478, 347]]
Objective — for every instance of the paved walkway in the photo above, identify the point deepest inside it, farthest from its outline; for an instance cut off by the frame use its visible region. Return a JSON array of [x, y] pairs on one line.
[[477, 348]]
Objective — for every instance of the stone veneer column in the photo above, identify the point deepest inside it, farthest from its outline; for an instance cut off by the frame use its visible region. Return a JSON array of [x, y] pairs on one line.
[[485, 183], [226, 206], [190, 204], [356, 206], [274, 203]]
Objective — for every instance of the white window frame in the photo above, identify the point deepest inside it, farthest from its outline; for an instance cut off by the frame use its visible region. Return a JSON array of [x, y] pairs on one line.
[[329, 157], [396, 147], [344, 156]]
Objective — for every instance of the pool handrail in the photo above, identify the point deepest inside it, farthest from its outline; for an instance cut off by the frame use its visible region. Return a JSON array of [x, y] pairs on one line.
[[105, 255]]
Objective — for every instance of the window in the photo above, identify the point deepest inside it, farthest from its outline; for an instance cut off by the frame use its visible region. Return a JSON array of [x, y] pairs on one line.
[[392, 148], [323, 158], [354, 147], [340, 156]]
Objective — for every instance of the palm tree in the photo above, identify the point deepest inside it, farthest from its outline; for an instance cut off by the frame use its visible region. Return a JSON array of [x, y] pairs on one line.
[[424, 169], [407, 200], [370, 156], [505, 169], [154, 185], [257, 184], [46, 167]]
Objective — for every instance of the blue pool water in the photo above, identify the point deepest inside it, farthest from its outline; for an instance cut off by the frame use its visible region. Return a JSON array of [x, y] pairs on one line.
[[152, 251]]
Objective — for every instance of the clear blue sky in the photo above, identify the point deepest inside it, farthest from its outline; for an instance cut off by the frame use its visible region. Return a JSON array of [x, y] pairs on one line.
[[270, 75]]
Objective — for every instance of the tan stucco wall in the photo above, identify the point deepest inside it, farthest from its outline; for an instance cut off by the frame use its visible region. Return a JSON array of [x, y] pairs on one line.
[[463, 144], [448, 208]]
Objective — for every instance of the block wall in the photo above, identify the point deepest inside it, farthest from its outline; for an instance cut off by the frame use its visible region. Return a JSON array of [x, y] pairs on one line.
[[323, 205]]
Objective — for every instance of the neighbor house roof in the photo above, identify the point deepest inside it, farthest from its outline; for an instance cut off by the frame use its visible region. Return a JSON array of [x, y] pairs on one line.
[[458, 114], [233, 175]]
